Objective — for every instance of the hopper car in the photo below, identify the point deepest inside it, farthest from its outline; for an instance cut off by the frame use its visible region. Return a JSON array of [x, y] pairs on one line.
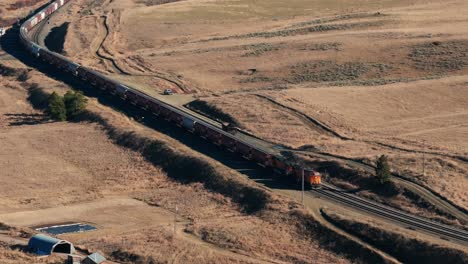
[[217, 135]]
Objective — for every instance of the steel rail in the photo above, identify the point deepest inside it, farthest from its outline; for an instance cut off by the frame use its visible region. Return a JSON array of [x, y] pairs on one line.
[[442, 231], [391, 209]]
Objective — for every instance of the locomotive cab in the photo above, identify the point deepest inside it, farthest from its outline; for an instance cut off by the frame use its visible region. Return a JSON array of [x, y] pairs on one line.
[[312, 179], [315, 179]]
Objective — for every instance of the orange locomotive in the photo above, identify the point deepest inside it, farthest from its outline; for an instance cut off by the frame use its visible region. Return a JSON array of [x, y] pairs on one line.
[[312, 179]]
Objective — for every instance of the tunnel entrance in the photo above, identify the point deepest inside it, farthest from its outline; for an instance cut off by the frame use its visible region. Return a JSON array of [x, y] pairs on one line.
[[63, 247]]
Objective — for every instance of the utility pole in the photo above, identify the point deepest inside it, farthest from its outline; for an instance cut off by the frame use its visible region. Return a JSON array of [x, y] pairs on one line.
[[302, 186], [424, 164], [175, 219], [424, 158]]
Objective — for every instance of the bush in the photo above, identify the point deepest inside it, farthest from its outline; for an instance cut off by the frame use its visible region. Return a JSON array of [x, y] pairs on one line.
[[67, 107], [23, 76], [382, 170], [56, 107], [75, 103]]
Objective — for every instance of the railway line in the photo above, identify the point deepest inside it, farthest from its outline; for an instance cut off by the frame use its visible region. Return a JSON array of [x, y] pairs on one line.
[[420, 190], [423, 192], [409, 221], [248, 147]]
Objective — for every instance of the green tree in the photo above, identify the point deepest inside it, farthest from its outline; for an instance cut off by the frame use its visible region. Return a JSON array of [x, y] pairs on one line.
[[56, 107], [75, 103], [382, 170]]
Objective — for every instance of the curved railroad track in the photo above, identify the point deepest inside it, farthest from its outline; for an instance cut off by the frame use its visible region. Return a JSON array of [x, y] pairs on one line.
[[184, 118], [409, 221], [422, 191]]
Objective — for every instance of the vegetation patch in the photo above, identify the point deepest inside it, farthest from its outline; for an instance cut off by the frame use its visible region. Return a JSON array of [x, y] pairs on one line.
[[56, 107], [338, 18], [7, 71], [336, 73], [439, 56], [364, 180], [12, 72], [321, 46], [382, 81], [221, 238], [256, 79], [327, 71], [405, 249], [66, 107], [156, 2], [128, 257], [261, 48], [302, 31]]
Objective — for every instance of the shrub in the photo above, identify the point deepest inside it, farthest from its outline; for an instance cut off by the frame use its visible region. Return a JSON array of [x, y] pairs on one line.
[[56, 107], [7, 71], [75, 103], [23, 76], [382, 170]]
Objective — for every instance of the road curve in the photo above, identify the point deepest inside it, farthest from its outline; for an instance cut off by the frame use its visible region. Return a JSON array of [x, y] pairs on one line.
[[330, 192]]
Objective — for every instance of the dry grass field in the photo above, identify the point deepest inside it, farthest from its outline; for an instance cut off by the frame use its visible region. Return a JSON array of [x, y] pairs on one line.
[[390, 76], [57, 172], [11, 10]]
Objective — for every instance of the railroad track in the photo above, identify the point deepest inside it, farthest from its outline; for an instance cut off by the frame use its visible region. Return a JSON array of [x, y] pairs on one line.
[[424, 192], [174, 113], [409, 221]]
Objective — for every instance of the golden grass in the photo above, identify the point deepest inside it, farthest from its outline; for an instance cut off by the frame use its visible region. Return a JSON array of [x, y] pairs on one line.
[[85, 153]]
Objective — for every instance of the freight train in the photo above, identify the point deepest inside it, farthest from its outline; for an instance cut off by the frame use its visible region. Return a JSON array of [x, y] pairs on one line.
[[180, 117]]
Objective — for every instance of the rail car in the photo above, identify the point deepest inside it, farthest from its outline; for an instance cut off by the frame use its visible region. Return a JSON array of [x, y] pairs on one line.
[[217, 135]]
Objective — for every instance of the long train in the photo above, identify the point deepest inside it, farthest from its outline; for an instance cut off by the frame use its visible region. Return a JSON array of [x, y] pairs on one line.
[[218, 136]]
